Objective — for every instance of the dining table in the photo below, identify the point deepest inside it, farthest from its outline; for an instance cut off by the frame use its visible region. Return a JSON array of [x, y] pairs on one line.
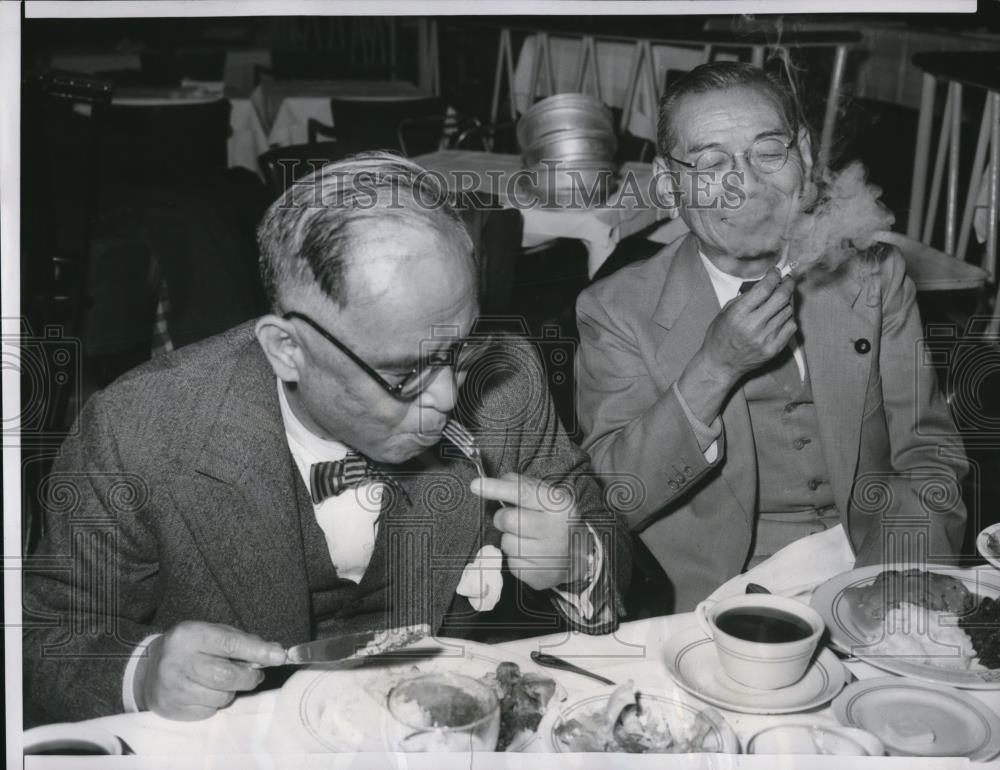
[[285, 107], [264, 729], [599, 225]]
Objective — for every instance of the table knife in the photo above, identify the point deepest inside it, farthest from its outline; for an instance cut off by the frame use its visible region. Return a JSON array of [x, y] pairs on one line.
[[362, 644]]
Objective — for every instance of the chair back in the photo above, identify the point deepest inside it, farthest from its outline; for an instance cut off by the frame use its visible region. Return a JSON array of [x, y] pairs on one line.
[[374, 124], [972, 196], [161, 146], [496, 237], [284, 165]]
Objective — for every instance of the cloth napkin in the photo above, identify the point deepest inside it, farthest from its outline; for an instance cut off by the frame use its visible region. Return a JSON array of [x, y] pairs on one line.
[[798, 568]]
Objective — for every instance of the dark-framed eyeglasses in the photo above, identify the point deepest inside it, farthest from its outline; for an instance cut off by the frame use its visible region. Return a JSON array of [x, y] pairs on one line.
[[459, 356], [767, 155]]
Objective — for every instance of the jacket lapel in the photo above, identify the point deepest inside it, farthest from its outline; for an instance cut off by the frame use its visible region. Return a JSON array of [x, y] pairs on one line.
[[242, 504], [686, 309], [832, 317]]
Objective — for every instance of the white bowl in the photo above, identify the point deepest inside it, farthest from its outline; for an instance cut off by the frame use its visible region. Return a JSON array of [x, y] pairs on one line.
[[815, 739]]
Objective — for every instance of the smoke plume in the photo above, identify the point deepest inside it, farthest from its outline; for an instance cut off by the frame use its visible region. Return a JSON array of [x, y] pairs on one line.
[[839, 218]]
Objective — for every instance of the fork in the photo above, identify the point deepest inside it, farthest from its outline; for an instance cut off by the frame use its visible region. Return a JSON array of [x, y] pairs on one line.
[[466, 443]]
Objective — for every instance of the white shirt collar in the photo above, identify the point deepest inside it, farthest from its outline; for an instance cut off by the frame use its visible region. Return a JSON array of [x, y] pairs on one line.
[[300, 437], [727, 286]]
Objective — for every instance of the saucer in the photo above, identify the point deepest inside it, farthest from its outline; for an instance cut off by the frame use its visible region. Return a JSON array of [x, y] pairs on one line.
[[920, 719], [692, 661]]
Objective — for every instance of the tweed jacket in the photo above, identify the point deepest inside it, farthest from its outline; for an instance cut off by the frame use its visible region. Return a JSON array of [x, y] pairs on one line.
[[888, 440], [176, 498]]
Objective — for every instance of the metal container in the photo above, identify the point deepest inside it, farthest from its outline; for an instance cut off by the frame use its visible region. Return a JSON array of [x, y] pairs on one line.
[[563, 112], [571, 144], [572, 182]]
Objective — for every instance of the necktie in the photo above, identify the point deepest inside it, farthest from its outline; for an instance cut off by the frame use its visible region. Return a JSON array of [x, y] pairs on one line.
[[327, 479], [747, 285]]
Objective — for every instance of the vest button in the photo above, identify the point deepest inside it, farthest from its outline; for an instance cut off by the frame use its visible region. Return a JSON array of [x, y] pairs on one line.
[[862, 346], [790, 407], [799, 443], [814, 484]]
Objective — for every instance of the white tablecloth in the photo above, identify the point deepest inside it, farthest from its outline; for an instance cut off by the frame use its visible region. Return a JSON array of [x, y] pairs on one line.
[[600, 228], [284, 107], [632, 652]]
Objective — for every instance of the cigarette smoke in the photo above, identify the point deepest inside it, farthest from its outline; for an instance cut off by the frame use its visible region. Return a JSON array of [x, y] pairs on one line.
[[838, 219]]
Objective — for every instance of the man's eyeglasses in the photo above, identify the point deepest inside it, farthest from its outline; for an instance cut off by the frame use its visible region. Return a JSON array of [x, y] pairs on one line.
[[767, 155], [459, 356]]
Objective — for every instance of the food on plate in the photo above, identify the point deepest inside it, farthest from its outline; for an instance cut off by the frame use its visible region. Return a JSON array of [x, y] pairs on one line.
[[983, 627], [443, 712], [911, 614], [993, 544], [632, 723], [524, 697], [918, 634], [891, 588]]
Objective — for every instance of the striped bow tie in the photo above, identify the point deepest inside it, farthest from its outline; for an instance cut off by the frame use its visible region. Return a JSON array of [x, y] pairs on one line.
[[328, 479]]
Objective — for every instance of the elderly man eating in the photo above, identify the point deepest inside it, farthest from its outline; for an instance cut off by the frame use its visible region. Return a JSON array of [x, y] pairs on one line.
[[288, 480], [755, 407]]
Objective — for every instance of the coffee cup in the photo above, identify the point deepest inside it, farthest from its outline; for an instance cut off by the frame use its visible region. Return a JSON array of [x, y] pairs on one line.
[[70, 738], [763, 641]]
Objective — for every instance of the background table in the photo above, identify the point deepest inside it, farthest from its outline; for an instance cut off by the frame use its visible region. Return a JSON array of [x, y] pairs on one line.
[[599, 227], [284, 107]]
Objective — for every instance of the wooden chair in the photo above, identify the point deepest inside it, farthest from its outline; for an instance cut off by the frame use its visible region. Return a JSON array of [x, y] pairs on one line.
[[160, 146], [373, 124], [284, 165], [978, 71]]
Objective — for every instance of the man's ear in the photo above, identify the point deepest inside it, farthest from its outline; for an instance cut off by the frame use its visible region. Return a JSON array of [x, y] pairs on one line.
[[666, 189], [280, 342], [804, 142]]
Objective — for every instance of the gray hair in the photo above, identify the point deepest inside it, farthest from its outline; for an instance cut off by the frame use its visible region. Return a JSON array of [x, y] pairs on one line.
[[720, 76], [305, 236]]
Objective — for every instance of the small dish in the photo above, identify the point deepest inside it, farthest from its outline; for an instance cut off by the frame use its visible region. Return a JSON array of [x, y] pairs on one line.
[[692, 661], [988, 544], [681, 720], [816, 739], [920, 719]]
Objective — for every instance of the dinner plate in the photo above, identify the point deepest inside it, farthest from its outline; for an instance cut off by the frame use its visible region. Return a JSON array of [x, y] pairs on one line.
[[920, 719], [991, 555], [846, 634], [343, 710], [680, 717], [693, 663]]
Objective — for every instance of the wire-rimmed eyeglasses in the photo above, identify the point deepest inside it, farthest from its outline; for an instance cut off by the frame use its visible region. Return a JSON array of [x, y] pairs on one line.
[[767, 155]]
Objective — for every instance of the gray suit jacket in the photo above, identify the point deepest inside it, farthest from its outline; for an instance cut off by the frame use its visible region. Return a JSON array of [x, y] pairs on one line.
[[888, 439], [177, 499]]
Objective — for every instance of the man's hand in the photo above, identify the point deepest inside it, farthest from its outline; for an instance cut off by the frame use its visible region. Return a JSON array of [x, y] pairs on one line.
[[536, 530], [197, 668], [752, 329]]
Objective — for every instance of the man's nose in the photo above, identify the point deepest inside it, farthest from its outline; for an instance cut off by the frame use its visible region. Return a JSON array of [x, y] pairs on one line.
[[442, 392]]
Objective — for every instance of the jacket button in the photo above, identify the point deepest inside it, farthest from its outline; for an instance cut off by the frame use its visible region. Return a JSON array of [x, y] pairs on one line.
[[814, 484], [790, 407], [672, 484], [862, 346], [799, 443]]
